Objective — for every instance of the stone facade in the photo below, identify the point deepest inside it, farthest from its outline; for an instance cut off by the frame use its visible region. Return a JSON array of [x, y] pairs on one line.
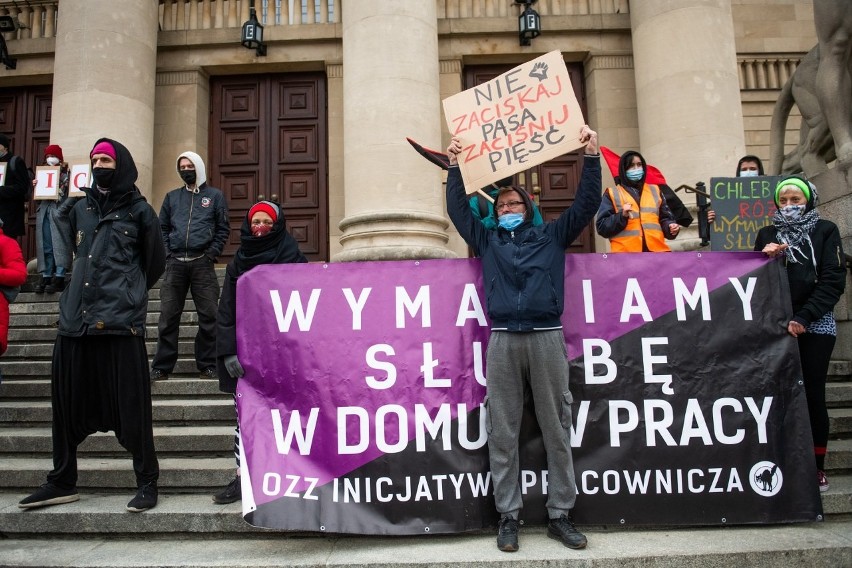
[[691, 84]]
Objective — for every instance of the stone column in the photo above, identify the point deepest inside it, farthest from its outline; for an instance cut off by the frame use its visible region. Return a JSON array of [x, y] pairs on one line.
[[104, 77], [611, 103], [687, 88], [394, 206]]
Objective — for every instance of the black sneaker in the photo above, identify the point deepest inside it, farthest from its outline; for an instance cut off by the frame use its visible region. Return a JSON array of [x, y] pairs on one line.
[[507, 534], [159, 375], [563, 530], [209, 373], [49, 494], [231, 494], [146, 498]]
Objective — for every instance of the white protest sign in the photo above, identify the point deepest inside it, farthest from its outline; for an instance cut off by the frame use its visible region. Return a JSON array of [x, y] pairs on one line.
[[3, 173], [522, 118], [47, 183], [79, 179]]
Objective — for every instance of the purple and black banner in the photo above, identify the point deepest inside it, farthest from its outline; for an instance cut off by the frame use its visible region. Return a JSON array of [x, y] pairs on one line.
[[361, 410]]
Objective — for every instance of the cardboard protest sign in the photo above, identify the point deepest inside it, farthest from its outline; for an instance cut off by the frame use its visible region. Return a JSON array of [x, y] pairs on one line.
[[743, 206], [522, 118], [79, 179], [47, 183]]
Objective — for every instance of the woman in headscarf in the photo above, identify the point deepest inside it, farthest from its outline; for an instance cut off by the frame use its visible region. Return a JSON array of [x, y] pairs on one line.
[[263, 240], [813, 257]]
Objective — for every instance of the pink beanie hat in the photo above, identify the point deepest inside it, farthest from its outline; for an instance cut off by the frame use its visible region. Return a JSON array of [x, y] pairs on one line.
[[103, 147]]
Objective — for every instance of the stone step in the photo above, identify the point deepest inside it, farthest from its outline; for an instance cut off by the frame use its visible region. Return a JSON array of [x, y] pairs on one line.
[[52, 307], [41, 369], [174, 411], [49, 320], [840, 422], [839, 456], [99, 515], [48, 334], [178, 474], [43, 351], [195, 440], [840, 370], [186, 386], [815, 545], [838, 394]]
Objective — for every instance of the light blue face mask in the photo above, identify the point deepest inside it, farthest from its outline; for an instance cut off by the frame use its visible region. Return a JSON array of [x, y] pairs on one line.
[[510, 220], [635, 174], [749, 173], [792, 212]]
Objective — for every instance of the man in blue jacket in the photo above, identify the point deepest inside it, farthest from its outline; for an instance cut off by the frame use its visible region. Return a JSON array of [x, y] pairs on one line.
[[194, 222], [523, 269]]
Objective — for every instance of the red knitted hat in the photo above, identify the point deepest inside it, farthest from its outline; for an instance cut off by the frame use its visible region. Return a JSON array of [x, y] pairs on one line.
[[265, 206], [53, 150]]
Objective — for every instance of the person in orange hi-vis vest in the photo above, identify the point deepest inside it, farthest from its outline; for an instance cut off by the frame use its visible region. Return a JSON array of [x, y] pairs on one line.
[[634, 215]]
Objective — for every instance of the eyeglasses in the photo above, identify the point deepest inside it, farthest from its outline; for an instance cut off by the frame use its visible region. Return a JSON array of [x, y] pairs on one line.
[[508, 205]]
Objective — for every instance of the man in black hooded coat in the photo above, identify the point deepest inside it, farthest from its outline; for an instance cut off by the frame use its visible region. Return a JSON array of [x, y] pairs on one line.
[[100, 363]]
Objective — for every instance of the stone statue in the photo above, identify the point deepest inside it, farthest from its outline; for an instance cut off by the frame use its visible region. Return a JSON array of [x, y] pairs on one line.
[[821, 87], [833, 21]]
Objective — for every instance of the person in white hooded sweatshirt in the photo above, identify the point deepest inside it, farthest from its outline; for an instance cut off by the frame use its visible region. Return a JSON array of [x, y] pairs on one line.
[[194, 222]]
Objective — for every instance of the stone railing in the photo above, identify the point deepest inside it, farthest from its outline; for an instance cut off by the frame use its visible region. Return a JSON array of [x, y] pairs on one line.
[[213, 14], [452, 9], [757, 73], [38, 17]]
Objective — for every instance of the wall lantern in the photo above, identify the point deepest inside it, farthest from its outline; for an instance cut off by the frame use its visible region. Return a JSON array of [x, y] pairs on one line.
[[529, 22], [7, 24], [252, 35]]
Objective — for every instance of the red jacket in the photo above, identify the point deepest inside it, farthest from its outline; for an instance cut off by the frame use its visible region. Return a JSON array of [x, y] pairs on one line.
[[13, 272]]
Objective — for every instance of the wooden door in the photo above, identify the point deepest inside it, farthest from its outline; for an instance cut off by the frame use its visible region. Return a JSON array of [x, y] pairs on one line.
[[552, 184], [25, 118], [268, 140]]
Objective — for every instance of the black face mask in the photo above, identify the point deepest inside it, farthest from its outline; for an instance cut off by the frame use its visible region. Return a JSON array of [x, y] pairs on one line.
[[103, 176], [188, 176]]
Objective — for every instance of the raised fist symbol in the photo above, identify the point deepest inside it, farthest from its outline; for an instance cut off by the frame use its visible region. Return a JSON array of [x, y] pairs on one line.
[[539, 71]]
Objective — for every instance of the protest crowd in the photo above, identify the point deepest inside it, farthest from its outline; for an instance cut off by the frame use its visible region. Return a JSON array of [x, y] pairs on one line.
[[103, 247]]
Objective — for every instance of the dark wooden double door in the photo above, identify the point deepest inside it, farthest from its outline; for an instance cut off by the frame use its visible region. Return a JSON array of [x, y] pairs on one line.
[[553, 184], [25, 119], [268, 140]]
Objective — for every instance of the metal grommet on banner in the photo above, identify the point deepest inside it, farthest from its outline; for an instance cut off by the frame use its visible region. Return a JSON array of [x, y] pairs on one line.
[[819, 517], [239, 395], [325, 265], [698, 255], [322, 527], [724, 520], [622, 521], [603, 255], [416, 263], [425, 529], [801, 382]]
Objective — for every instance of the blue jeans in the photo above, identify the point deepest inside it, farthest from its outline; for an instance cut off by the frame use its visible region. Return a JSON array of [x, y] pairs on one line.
[[47, 247]]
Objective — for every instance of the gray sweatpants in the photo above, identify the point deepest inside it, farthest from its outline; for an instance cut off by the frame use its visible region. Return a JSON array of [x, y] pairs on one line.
[[539, 359]]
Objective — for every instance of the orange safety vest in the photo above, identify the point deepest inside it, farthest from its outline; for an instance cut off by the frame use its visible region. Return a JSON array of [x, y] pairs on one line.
[[646, 223]]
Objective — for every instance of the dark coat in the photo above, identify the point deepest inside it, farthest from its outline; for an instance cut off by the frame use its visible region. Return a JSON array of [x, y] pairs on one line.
[[278, 247], [14, 193], [813, 290], [524, 269], [120, 256]]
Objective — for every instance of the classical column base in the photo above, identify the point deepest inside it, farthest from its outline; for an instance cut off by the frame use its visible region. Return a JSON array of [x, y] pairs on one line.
[[393, 236]]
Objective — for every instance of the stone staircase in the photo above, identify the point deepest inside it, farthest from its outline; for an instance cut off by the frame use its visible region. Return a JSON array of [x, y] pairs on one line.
[[193, 429]]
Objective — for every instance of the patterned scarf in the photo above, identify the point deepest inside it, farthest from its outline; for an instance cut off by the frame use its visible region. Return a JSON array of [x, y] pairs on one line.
[[796, 234]]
